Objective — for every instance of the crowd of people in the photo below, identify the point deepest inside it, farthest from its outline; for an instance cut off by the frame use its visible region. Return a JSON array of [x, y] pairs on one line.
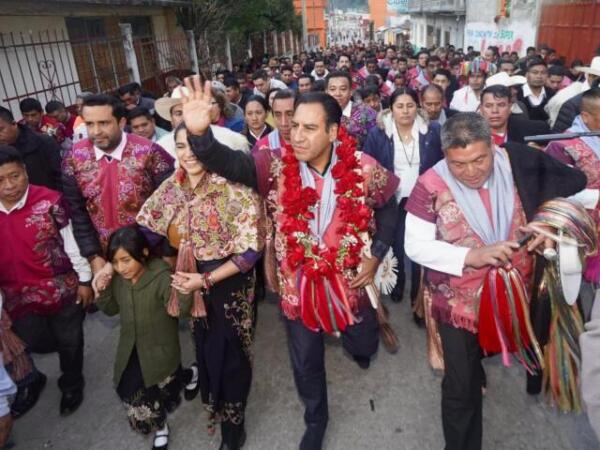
[[299, 176]]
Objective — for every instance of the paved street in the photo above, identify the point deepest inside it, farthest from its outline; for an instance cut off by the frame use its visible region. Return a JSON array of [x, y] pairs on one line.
[[393, 405]]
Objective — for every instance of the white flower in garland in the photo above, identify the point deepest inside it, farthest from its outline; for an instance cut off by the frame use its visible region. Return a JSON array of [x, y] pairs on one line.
[[385, 278]]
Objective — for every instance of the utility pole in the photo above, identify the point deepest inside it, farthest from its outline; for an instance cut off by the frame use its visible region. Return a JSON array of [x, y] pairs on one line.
[[304, 26]]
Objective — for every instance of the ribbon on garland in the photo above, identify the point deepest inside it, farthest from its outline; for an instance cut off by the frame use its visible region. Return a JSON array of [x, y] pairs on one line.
[[323, 304], [562, 353], [504, 323]]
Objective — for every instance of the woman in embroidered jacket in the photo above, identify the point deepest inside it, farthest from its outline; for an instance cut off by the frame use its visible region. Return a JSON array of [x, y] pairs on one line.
[[221, 222]]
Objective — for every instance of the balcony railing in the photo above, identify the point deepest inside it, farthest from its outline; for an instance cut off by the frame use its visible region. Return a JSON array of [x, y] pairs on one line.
[[436, 6]]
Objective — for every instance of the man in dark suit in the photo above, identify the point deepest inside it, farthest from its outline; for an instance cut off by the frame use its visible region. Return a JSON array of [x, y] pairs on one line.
[[506, 127], [534, 94]]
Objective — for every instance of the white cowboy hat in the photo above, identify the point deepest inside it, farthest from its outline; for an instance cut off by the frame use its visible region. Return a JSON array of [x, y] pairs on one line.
[[594, 67], [517, 80], [570, 268], [504, 79], [164, 105]]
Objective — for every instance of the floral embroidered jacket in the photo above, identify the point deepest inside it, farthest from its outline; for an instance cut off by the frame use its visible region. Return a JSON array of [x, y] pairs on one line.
[[219, 218], [361, 120], [106, 195], [37, 275]]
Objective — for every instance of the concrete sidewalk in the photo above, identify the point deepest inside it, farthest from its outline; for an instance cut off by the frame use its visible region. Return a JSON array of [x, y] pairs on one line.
[[393, 405]]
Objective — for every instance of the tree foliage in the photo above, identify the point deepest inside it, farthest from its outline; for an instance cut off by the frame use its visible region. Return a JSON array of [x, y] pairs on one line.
[[214, 20]]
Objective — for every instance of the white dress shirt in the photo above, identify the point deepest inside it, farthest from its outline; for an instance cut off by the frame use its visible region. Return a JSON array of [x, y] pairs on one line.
[[80, 264], [535, 100], [347, 111], [421, 245], [406, 161]]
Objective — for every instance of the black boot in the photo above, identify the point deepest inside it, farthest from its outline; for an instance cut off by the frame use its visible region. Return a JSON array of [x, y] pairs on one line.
[[233, 437], [27, 396]]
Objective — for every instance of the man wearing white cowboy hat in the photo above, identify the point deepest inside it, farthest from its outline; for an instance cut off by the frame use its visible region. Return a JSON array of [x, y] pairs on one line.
[[512, 82], [171, 108], [592, 72]]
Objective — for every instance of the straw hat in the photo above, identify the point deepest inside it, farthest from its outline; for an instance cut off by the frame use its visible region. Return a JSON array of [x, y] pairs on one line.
[[164, 105]]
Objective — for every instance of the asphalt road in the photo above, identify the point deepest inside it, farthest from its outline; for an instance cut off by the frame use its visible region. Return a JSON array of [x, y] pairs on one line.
[[393, 405]]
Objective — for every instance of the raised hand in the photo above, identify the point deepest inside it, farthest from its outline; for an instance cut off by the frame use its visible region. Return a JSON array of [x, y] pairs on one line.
[[196, 105]]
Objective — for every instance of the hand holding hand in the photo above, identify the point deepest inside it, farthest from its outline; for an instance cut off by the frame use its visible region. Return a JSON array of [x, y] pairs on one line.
[[186, 283]]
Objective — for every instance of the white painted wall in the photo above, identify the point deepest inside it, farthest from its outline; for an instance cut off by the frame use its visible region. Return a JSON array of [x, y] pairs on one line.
[[514, 33], [35, 68]]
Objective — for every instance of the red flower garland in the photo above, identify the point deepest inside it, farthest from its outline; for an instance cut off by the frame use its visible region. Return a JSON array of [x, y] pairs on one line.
[[298, 208]]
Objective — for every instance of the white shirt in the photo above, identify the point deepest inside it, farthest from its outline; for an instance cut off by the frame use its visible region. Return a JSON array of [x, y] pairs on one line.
[[117, 153], [348, 109], [535, 100], [80, 264], [421, 245], [406, 161], [465, 100]]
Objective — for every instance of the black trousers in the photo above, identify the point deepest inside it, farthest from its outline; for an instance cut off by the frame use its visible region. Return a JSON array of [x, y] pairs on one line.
[[461, 389], [398, 249], [61, 332], [307, 353]]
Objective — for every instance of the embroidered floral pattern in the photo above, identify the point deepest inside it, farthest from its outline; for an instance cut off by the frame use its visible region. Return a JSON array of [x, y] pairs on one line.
[[455, 300], [240, 314], [376, 194], [42, 278], [140, 171], [147, 408], [219, 218], [361, 120], [230, 412]]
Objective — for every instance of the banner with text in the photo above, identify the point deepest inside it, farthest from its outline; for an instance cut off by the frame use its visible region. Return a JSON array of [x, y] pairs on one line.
[[513, 37]]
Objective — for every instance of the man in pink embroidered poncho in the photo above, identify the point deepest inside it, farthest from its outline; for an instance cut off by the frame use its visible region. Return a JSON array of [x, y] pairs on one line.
[[465, 215], [108, 176]]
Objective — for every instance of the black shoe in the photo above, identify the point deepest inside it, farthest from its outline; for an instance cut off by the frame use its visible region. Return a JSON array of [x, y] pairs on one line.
[[70, 401], [534, 384], [28, 396], [419, 321], [173, 405], [191, 388], [362, 361], [233, 437], [395, 298]]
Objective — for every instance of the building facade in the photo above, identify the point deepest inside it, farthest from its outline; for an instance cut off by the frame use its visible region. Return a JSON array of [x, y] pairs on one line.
[[437, 22], [316, 25], [53, 50]]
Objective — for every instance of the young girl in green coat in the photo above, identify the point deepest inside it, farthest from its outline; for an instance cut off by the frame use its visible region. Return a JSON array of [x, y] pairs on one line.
[[148, 373]]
